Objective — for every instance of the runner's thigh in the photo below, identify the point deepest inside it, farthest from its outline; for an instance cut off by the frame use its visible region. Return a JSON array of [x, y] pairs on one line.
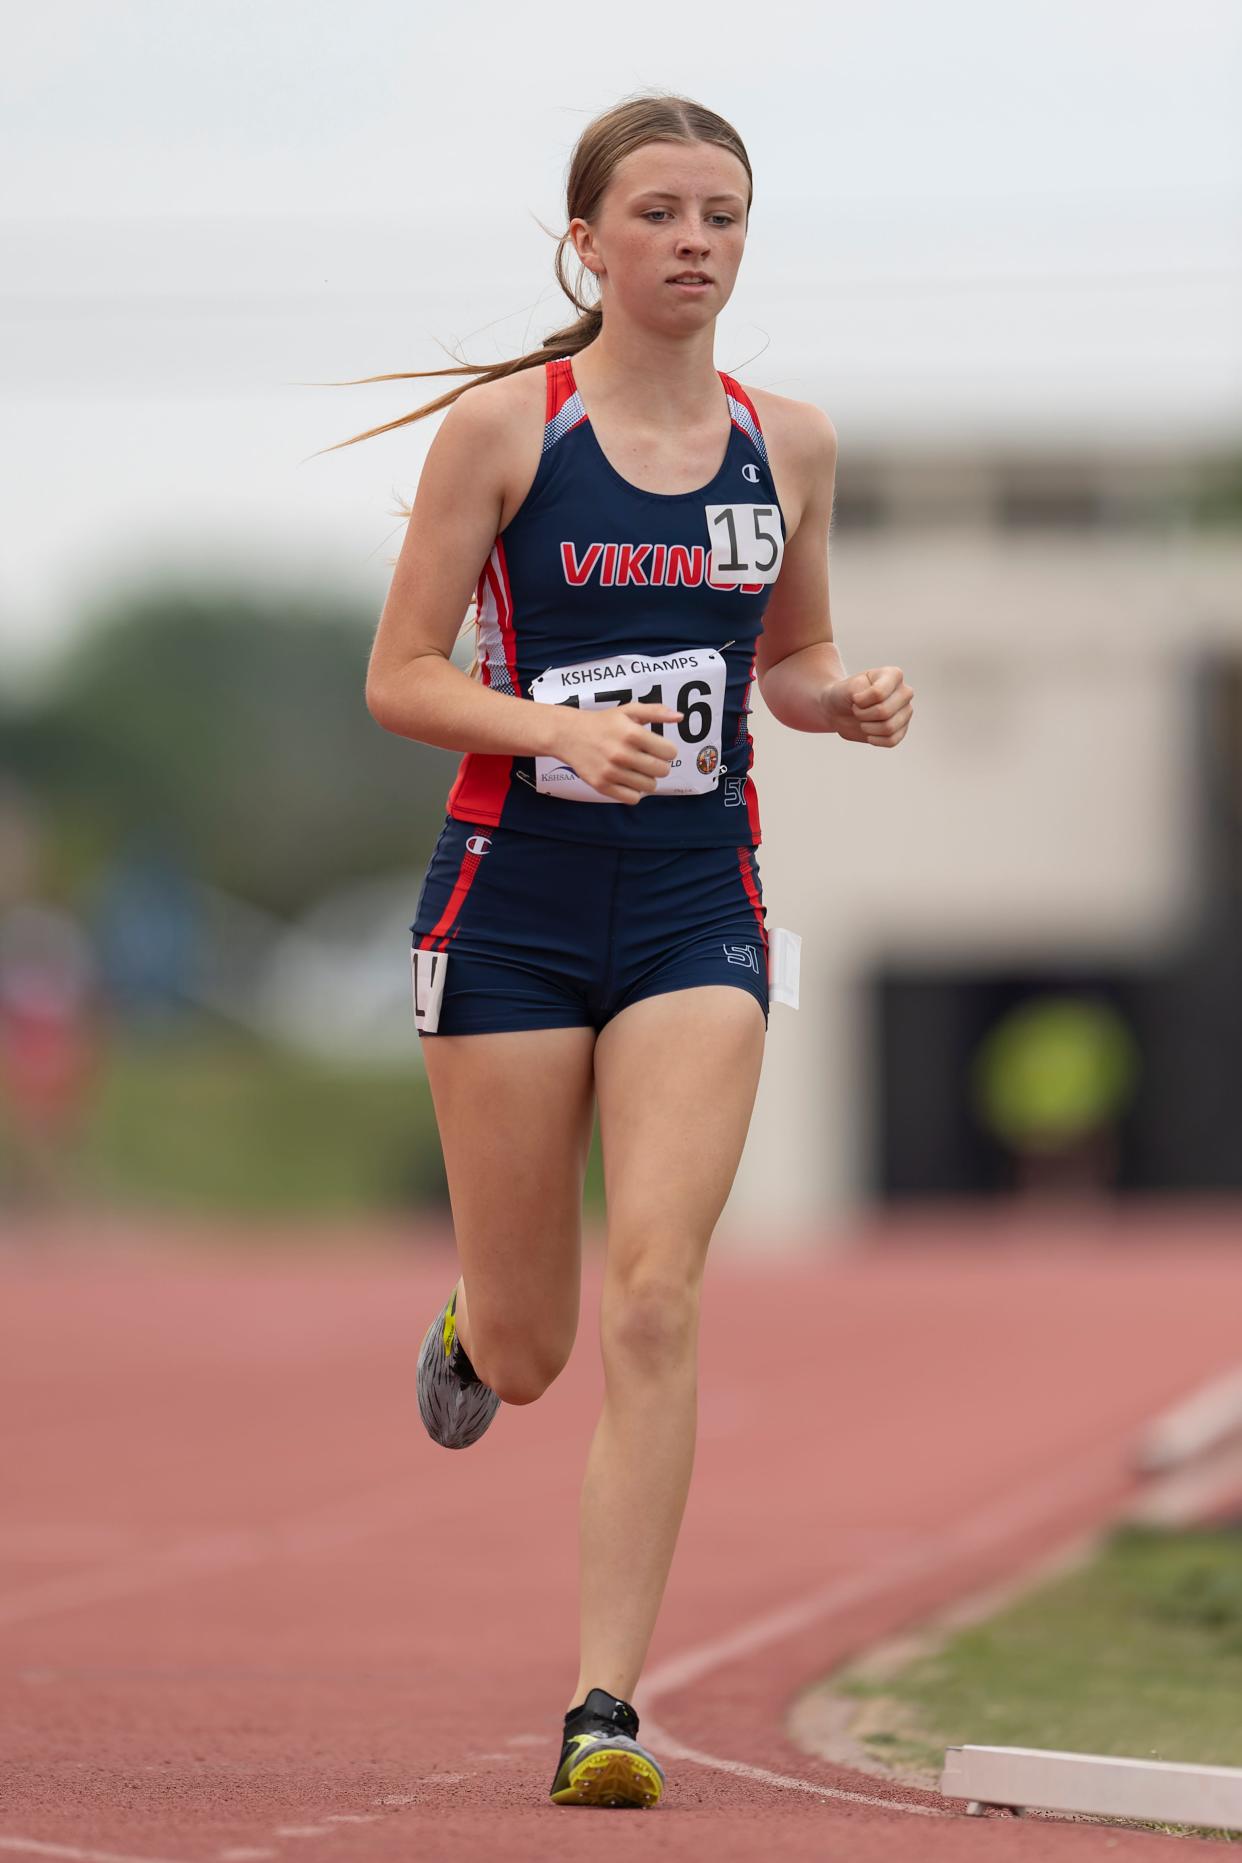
[[676, 1076], [515, 1110]]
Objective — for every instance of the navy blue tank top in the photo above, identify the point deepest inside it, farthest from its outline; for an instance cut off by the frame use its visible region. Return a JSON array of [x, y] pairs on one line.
[[598, 593]]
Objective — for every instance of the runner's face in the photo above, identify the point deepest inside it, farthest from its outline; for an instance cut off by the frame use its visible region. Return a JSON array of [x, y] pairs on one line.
[[670, 207]]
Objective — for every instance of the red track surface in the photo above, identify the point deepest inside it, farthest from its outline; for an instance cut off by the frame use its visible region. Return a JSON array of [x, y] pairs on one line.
[[248, 1610]]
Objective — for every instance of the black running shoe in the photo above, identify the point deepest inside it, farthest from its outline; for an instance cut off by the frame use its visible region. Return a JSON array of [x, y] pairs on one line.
[[455, 1405], [601, 1761]]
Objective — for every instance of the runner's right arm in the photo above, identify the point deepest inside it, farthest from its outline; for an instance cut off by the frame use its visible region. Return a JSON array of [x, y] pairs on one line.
[[412, 686]]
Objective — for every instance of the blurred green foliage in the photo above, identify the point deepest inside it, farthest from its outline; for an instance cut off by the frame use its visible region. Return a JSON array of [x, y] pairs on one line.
[[1214, 501], [227, 723], [232, 720], [213, 1120]]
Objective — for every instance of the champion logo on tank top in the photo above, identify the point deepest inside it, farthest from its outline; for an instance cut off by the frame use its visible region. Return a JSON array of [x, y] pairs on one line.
[[598, 593]]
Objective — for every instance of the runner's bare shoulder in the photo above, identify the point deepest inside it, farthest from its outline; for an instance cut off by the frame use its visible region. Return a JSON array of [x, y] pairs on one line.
[[500, 423], [799, 438]]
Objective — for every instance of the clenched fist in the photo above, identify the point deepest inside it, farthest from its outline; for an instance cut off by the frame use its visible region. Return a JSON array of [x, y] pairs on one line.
[[874, 707]]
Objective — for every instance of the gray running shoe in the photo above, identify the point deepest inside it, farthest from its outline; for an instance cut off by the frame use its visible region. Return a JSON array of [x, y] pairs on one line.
[[455, 1405]]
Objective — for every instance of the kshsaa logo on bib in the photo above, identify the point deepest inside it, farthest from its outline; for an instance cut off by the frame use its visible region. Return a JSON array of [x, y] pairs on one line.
[[706, 760]]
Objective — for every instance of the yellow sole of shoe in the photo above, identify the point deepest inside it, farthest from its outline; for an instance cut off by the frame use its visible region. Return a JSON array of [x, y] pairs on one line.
[[611, 1777]]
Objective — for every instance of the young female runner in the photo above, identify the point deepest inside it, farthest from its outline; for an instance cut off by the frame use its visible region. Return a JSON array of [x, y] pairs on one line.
[[642, 533]]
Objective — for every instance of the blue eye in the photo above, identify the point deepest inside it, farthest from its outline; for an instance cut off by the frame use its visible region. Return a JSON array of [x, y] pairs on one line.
[[726, 217]]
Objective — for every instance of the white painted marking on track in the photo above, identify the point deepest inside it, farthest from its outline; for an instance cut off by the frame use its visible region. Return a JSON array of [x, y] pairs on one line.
[[31, 1846], [676, 1750], [921, 1559]]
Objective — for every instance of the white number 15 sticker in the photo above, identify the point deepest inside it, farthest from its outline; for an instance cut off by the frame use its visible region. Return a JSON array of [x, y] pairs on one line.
[[747, 545]]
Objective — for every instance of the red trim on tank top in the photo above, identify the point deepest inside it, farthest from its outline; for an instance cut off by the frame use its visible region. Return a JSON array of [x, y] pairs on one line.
[[483, 777], [562, 385], [739, 394]]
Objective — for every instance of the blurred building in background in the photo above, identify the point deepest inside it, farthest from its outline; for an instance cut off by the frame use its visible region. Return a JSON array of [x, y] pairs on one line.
[[1062, 825]]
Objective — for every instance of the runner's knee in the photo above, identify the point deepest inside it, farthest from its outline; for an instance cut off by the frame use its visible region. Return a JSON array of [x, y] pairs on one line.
[[650, 1316]]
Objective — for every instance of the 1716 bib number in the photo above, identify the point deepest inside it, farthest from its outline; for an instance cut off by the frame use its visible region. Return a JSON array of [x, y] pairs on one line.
[[692, 682]]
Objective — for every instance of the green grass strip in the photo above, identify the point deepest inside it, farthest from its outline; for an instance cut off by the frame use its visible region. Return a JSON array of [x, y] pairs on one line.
[[1137, 1653]]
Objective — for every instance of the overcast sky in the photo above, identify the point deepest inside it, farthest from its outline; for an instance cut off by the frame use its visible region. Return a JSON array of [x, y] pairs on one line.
[[970, 219]]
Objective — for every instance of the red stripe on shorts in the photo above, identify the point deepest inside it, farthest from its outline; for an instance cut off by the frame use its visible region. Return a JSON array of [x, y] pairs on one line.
[[439, 935], [746, 862]]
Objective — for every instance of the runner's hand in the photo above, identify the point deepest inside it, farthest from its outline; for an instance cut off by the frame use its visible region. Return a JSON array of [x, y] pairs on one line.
[[614, 750], [874, 707]]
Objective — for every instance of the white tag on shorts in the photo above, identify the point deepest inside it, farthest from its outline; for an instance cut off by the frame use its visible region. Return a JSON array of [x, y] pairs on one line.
[[691, 681], [784, 965], [746, 542], [428, 969]]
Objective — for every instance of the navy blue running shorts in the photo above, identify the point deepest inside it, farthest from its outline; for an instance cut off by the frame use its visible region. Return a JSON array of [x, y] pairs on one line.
[[545, 933]]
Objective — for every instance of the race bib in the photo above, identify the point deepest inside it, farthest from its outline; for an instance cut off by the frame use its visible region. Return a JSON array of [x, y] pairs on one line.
[[746, 541], [691, 682], [428, 970], [784, 965]]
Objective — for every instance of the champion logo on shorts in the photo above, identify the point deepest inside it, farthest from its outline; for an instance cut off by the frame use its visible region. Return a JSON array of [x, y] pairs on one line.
[[479, 843]]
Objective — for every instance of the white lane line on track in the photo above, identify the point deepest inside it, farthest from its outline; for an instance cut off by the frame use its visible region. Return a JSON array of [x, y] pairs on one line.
[[662, 1742], [922, 1559], [30, 1846]]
